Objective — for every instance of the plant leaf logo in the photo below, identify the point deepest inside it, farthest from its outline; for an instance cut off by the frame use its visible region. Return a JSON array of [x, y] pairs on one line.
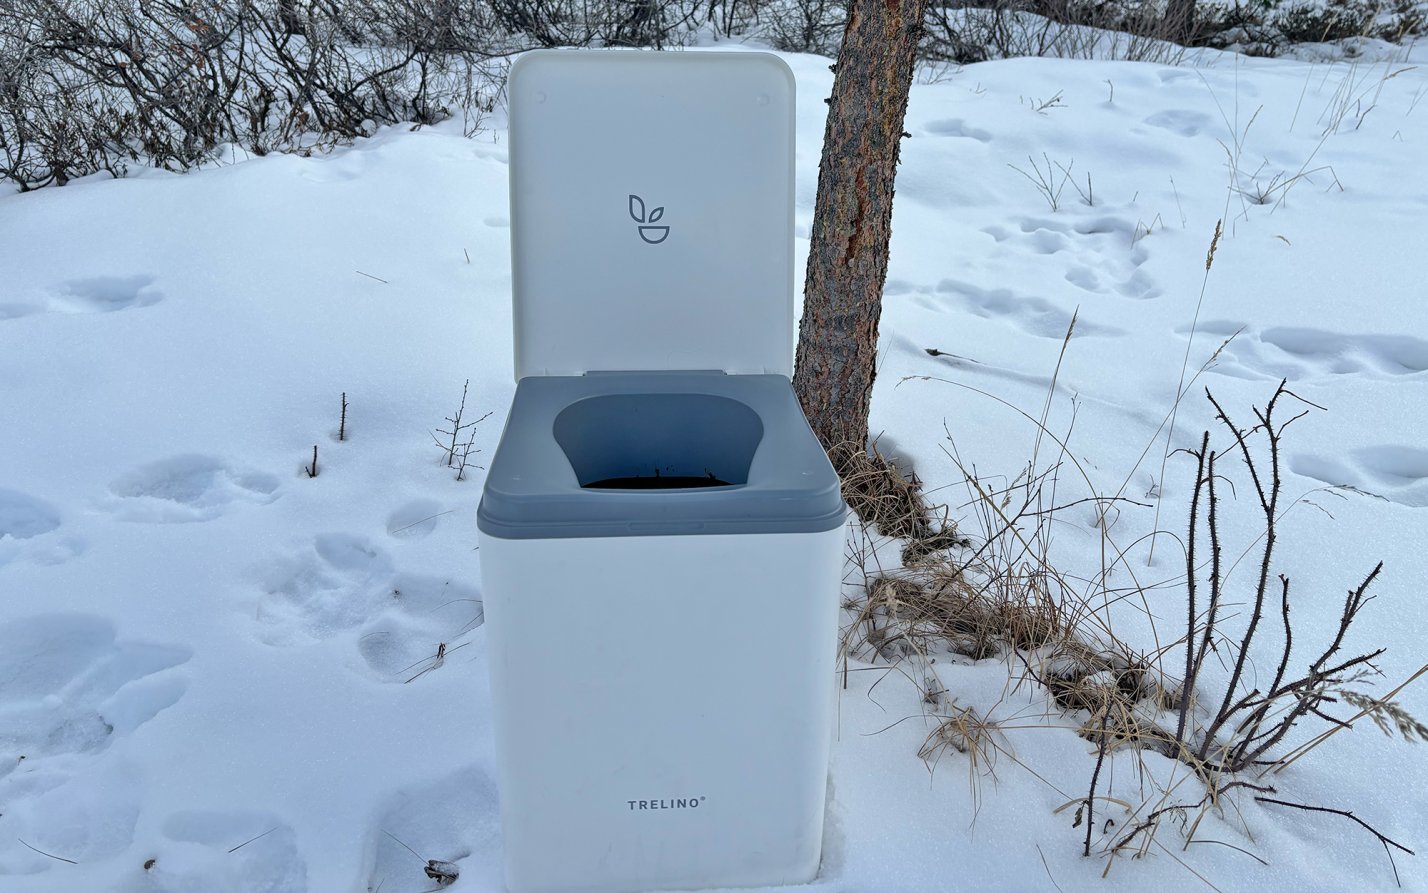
[[650, 233]]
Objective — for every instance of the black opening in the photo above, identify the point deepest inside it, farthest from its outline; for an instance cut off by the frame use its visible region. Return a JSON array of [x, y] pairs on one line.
[[657, 482]]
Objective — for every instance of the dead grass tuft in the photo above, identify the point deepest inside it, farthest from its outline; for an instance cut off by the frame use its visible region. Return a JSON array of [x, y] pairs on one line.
[[935, 607], [892, 502]]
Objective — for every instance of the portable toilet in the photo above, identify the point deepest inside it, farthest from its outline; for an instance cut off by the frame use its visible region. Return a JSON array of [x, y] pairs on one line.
[[661, 534]]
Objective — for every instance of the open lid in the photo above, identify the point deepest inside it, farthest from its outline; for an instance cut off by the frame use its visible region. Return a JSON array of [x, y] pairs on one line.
[[651, 211]]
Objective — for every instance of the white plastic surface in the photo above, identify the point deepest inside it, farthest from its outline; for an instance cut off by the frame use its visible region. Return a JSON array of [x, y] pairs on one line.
[[663, 707], [652, 211]]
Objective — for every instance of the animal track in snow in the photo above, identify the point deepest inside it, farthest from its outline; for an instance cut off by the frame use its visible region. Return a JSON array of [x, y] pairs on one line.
[[415, 520], [29, 528], [1084, 278], [956, 127], [1394, 473], [454, 819], [99, 294], [23, 517], [1181, 122], [401, 644], [226, 850], [85, 812], [336, 584], [1297, 353], [1390, 354], [344, 582], [105, 294], [1030, 314], [187, 488], [66, 686], [1111, 240], [68, 690]]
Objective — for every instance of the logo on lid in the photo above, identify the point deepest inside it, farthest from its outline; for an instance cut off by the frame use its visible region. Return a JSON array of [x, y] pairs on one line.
[[652, 234]]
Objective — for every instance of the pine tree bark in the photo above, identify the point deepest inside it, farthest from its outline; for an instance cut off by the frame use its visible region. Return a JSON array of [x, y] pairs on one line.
[[852, 219]]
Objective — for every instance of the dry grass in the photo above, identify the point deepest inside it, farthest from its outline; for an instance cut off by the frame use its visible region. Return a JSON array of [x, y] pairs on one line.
[[988, 595], [934, 608], [891, 501]]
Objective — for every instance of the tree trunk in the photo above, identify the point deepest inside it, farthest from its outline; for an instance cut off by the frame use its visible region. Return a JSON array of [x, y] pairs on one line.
[[852, 219]]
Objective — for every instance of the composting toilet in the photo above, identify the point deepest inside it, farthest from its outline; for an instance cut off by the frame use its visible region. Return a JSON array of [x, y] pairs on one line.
[[661, 534]]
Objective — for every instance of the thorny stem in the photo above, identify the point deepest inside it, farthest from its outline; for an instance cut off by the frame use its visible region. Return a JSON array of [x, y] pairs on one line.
[[1386, 841], [1269, 502], [1190, 586], [1095, 777], [1216, 584]]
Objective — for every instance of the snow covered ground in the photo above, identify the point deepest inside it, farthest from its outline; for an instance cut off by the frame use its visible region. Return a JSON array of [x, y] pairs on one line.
[[211, 664]]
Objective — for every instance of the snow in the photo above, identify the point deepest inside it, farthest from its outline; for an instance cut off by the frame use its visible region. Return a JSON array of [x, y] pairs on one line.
[[212, 661]]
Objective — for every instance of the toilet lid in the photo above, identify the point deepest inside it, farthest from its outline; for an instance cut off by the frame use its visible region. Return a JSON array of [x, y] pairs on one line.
[[651, 211]]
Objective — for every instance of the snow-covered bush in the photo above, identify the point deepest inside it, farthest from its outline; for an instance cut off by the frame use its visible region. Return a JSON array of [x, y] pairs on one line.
[[86, 87]]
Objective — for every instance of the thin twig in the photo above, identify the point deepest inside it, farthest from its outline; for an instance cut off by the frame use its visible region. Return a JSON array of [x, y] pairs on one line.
[[1386, 841], [251, 839], [51, 855], [404, 846], [422, 521], [1049, 875], [1230, 845]]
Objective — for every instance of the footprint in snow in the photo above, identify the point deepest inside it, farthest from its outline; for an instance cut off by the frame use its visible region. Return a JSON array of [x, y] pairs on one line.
[[1333, 352], [344, 582], [336, 584], [24, 517], [1396, 474], [1108, 242], [1181, 122], [105, 294], [187, 488], [69, 690], [415, 520], [83, 813], [1175, 75], [66, 686], [956, 127], [428, 620], [1300, 353], [1034, 315], [453, 820], [99, 294], [223, 850], [31, 528]]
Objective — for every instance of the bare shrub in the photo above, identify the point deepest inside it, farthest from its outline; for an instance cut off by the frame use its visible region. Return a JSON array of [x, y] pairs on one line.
[[584, 23], [997, 595], [85, 87], [1133, 30], [807, 26], [457, 452], [1323, 22]]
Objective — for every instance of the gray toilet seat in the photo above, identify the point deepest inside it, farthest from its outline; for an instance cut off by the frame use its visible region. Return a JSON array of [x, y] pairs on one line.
[[746, 432]]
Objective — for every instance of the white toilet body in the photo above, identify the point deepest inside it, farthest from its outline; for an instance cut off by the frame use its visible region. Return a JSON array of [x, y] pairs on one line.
[[661, 534], [663, 707]]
